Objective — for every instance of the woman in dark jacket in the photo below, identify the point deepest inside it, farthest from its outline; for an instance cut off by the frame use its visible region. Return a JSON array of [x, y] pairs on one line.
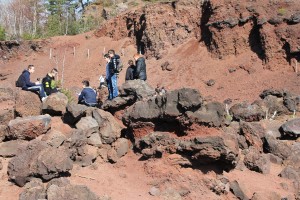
[[140, 72], [130, 72]]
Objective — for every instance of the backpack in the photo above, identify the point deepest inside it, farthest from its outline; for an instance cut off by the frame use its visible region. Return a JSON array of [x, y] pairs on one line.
[[118, 65]]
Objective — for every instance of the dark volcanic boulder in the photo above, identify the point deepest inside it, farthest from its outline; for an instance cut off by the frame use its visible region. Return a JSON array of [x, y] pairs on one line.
[[3, 132], [6, 115], [110, 129], [295, 18], [74, 113], [29, 127], [247, 112], [211, 114], [138, 88], [164, 107], [290, 173], [253, 132], [68, 192], [277, 147], [28, 104], [272, 92], [291, 128], [257, 162], [7, 104], [118, 103], [11, 148], [200, 150], [55, 104], [33, 190], [38, 160]]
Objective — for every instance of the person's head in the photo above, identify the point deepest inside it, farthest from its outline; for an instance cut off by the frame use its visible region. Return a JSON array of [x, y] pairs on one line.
[[107, 57], [30, 68], [85, 83], [130, 62], [53, 72], [136, 56], [111, 53]]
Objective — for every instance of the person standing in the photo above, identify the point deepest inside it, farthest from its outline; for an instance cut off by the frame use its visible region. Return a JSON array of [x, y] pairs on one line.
[[130, 71], [49, 82], [111, 78], [25, 83], [88, 95], [140, 72]]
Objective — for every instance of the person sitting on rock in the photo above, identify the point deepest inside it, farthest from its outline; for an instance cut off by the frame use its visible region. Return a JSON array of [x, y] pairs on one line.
[[49, 83], [24, 83], [130, 71], [88, 95]]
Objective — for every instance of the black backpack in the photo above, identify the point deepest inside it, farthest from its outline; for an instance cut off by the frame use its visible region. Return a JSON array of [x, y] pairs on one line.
[[118, 65]]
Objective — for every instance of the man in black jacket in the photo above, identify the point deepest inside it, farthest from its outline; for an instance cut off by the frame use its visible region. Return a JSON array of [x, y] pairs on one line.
[[130, 71], [24, 82], [140, 72], [49, 82]]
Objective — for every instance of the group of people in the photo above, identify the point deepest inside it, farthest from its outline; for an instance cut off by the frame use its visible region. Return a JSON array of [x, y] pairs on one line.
[[88, 96], [45, 87], [137, 71]]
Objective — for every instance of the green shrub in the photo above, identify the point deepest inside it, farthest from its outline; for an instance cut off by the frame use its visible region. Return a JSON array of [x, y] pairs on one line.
[[68, 93], [2, 33], [281, 11]]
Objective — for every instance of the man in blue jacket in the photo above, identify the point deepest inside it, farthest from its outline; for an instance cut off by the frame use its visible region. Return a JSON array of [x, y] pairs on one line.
[[111, 77], [88, 95], [24, 82]]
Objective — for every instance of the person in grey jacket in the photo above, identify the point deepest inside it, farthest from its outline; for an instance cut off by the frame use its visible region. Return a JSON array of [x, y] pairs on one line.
[[140, 71]]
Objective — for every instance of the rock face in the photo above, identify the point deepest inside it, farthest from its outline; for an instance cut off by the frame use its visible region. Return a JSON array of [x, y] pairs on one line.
[[169, 107], [39, 160], [201, 150], [29, 127], [56, 103], [27, 104], [230, 28], [145, 30]]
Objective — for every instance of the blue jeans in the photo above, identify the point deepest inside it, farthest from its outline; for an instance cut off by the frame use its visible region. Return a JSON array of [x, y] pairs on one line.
[[38, 88], [112, 84]]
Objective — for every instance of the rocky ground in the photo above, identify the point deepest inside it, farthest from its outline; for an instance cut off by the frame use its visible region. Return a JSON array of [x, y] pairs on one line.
[[228, 127]]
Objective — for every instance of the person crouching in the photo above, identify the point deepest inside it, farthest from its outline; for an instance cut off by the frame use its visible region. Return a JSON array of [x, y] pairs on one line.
[[88, 95]]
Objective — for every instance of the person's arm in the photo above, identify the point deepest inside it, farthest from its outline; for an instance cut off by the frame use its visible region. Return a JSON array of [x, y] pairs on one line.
[[46, 84], [138, 69], [27, 80], [81, 96]]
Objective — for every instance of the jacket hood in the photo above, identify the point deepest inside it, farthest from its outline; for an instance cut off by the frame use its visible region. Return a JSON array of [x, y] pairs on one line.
[[25, 70], [141, 58], [116, 56]]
